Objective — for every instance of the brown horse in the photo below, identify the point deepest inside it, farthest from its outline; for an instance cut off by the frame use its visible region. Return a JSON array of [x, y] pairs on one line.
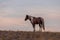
[[36, 20]]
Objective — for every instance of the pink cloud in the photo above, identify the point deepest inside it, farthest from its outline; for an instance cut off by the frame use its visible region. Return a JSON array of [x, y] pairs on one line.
[[11, 21]]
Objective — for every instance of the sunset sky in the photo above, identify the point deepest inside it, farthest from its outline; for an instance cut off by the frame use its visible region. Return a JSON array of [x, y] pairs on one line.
[[13, 12]]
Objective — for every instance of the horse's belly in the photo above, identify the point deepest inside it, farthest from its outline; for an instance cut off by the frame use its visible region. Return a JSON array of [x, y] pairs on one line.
[[36, 22]]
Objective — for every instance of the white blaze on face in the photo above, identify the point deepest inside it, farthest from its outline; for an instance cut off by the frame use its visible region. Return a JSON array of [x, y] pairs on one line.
[[32, 19]]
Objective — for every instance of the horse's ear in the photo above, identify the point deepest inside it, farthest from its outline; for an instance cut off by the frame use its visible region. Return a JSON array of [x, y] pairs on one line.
[[27, 15]]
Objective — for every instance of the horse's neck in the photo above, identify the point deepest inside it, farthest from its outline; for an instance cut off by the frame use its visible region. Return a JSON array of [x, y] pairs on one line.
[[31, 19]]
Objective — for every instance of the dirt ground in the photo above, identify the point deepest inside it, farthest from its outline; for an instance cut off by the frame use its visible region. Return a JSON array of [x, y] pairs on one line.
[[23, 35]]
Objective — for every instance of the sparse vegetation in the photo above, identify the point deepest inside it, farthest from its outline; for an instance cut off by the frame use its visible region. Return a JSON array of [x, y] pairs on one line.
[[23, 35]]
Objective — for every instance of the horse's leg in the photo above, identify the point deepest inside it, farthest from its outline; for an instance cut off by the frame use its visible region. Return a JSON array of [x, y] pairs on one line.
[[40, 29], [33, 27], [43, 25], [43, 28]]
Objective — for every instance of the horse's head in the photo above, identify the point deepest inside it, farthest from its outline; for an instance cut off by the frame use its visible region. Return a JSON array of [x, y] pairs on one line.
[[26, 17]]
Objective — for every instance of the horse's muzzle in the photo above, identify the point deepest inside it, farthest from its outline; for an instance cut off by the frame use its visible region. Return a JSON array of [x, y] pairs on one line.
[[25, 19]]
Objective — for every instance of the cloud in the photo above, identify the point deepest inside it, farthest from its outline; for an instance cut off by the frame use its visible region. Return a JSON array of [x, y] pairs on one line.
[[12, 12], [53, 29], [6, 11], [11, 21], [51, 13], [15, 24]]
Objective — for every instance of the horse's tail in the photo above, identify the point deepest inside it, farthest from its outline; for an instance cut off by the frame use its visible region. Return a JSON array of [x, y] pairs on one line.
[[43, 24]]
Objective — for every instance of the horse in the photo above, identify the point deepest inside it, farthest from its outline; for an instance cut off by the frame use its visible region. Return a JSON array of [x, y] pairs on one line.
[[36, 20]]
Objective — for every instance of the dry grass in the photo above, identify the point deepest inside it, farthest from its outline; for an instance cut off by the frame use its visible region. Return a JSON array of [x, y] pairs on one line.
[[22, 35]]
